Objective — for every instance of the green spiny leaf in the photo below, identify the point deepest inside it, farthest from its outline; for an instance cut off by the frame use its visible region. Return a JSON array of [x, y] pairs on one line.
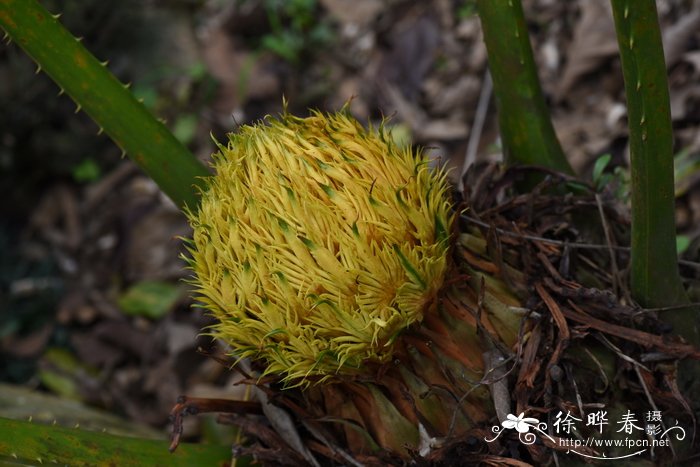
[[30, 444], [107, 101]]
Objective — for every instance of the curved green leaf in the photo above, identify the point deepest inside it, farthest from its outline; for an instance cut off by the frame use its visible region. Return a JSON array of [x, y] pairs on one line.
[[107, 101], [27, 443], [526, 128], [655, 279]]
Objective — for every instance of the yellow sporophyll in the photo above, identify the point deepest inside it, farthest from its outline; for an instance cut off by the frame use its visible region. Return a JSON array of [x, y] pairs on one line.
[[317, 242]]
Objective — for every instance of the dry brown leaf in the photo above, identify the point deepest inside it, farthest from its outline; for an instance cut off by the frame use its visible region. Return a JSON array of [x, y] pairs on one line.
[[96, 352], [693, 58], [151, 244], [594, 42], [240, 74], [452, 98], [676, 38], [283, 424], [682, 99], [422, 127], [29, 346], [357, 12], [415, 41]]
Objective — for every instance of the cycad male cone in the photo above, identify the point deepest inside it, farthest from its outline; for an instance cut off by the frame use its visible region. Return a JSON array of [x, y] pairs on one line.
[[316, 243]]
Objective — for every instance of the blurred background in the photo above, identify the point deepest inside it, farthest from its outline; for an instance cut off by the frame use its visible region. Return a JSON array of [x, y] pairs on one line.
[[93, 307]]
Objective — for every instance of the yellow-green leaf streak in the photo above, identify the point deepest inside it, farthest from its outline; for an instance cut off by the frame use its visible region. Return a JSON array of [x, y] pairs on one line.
[[106, 100], [526, 128], [655, 280], [25, 443]]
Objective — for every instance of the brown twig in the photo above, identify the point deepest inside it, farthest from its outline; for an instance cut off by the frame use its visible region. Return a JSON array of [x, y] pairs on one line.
[[676, 349], [615, 273], [196, 405], [551, 241]]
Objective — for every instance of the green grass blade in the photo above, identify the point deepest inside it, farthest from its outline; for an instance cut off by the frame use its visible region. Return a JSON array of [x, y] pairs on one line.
[[655, 279], [146, 140], [526, 128], [27, 443]]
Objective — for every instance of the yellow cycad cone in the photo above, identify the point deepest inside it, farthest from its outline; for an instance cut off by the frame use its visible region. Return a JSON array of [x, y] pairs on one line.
[[322, 250], [316, 243]]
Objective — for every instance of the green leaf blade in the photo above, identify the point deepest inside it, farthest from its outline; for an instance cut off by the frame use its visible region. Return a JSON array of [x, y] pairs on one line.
[[525, 125], [655, 279], [32, 444], [107, 101]]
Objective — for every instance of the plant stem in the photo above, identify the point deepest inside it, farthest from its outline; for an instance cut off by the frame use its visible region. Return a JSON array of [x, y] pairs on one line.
[[107, 101], [655, 279], [526, 128]]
